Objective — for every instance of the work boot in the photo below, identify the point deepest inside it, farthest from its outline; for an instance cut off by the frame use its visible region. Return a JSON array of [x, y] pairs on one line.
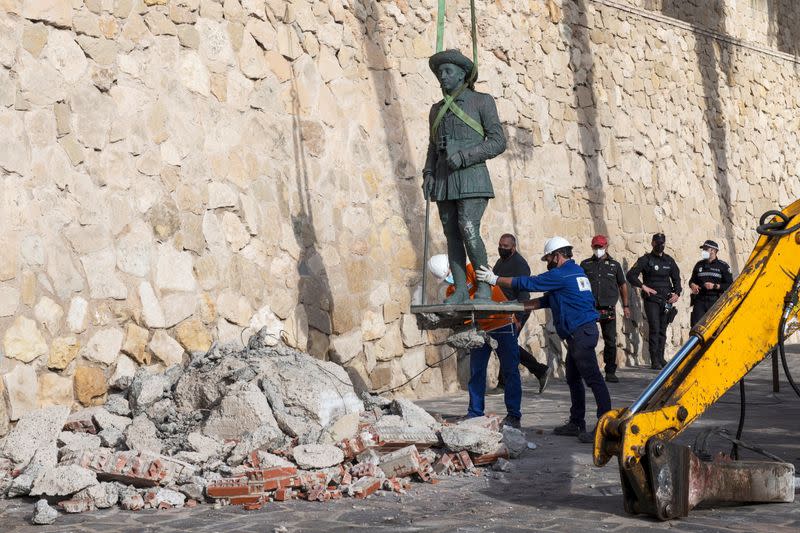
[[656, 365], [511, 421], [611, 377], [544, 379], [570, 429], [587, 436]]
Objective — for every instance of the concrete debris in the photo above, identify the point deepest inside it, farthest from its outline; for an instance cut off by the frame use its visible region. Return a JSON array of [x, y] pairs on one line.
[[502, 465], [532, 446], [43, 514], [35, 430], [470, 339], [240, 427], [141, 435], [146, 390], [515, 441], [117, 404], [62, 480], [413, 416], [111, 437], [317, 456], [472, 439], [102, 495]]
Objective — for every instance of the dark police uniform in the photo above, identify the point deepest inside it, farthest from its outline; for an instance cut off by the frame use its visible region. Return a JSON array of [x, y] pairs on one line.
[[606, 277], [515, 266], [717, 272], [662, 274]]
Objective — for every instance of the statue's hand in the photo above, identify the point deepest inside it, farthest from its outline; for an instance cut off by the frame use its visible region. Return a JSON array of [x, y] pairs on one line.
[[455, 161], [427, 185], [485, 274]]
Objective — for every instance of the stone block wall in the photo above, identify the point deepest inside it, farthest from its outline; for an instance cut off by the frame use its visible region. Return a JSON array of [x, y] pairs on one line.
[[179, 172]]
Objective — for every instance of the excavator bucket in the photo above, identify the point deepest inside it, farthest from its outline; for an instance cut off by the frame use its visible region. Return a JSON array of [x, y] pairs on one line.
[[679, 481]]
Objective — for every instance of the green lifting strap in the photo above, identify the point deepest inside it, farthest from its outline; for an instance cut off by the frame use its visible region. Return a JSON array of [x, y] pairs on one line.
[[450, 99]]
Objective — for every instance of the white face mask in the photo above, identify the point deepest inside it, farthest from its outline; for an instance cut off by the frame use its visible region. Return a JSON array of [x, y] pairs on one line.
[[600, 252], [705, 254]]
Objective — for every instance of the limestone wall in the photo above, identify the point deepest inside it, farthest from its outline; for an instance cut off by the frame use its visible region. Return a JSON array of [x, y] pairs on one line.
[[181, 171]]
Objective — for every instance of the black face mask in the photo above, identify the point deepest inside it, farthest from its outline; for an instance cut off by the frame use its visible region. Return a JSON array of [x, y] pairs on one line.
[[505, 253], [658, 247]]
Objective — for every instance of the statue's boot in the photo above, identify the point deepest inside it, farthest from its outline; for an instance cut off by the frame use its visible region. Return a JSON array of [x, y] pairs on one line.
[[461, 295], [476, 251]]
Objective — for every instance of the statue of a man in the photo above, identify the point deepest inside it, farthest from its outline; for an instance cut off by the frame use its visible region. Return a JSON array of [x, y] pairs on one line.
[[455, 174]]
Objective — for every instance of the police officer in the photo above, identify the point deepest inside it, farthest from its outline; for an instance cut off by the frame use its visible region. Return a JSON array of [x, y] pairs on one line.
[[608, 286], [568, 294], [661, 288], [711, 277]]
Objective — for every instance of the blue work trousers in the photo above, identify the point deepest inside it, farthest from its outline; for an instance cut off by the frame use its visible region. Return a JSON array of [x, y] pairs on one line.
[[581, 366], [508, 353]]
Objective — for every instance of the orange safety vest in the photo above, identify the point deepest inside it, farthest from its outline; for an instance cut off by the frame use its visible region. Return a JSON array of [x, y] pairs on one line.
[[491, 322]]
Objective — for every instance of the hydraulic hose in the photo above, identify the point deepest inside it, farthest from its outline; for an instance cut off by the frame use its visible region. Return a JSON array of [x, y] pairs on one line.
[[742, 412]]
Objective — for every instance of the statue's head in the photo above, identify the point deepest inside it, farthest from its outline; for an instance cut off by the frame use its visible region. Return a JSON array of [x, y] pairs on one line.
[[451, 68]]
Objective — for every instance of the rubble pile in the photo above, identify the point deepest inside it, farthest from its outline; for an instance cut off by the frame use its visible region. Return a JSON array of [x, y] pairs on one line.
[[239, 427]]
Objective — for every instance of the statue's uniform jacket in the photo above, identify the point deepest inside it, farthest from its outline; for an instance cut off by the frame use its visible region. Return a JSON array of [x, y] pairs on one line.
[[471, 181]]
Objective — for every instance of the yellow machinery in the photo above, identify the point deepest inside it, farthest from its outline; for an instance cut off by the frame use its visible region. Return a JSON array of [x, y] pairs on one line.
[[666, 480]]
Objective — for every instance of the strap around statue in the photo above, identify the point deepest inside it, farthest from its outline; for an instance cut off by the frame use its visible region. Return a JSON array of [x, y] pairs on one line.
[[450, 99]]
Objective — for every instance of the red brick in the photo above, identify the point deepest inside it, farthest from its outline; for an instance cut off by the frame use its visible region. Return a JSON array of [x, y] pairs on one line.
[[489, 458], [242, 500], [365, 487], [225, 488], [281, 495]]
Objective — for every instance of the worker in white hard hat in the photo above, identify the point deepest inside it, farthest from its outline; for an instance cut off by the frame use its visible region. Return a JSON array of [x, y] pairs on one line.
[[503, 329], [568, 295]]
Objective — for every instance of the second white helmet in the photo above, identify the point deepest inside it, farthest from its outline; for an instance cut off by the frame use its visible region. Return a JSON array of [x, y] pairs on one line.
[[439, 266], [553, 244]]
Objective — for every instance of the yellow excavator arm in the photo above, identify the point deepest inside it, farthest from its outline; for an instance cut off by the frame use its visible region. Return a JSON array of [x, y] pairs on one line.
[[664, 479]]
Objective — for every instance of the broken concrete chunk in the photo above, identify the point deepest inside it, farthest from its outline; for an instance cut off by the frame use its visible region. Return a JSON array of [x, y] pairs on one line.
[[401, 463], [103, 419], [502, 465], [146, 390], [472, 439], [141, 435], [35, 430], [263, 438], [412, 414], [43, 514], [111, 437], [63, 480], [311, 456], [43, 458], [102, 495], [117, 404], [77, 441], [515, 441], [421, 436], [163, 498], [242, 411]]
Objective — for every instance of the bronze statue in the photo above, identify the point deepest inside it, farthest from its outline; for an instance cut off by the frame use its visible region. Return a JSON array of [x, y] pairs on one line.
[[455, 174]]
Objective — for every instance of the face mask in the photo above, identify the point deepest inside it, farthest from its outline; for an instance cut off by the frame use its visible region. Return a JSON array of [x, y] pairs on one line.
[[504, 253], [449, 279], [705, 254], [552, 264], [658, 248], [599, 252]]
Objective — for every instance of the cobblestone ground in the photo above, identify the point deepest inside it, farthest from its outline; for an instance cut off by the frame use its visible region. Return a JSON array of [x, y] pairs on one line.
[[552, 488]]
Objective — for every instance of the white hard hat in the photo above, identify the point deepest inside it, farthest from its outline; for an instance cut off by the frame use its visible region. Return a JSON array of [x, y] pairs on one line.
[[439, 266], [555, 243]]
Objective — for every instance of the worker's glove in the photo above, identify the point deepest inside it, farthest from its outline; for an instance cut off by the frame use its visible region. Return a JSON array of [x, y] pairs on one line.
[[486, 275], [455, 160], [427, 185]]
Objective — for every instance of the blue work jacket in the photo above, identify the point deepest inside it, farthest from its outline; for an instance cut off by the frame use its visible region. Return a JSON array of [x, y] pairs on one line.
[[568, 294]]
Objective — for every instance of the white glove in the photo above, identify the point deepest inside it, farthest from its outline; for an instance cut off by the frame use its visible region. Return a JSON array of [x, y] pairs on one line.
[[485, 274]]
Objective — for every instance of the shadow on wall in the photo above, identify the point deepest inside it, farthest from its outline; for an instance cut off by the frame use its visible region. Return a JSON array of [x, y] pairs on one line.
[[407, 178], [314, 286], [711, 14], [582, 64], [784, 25], [632, 330]]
